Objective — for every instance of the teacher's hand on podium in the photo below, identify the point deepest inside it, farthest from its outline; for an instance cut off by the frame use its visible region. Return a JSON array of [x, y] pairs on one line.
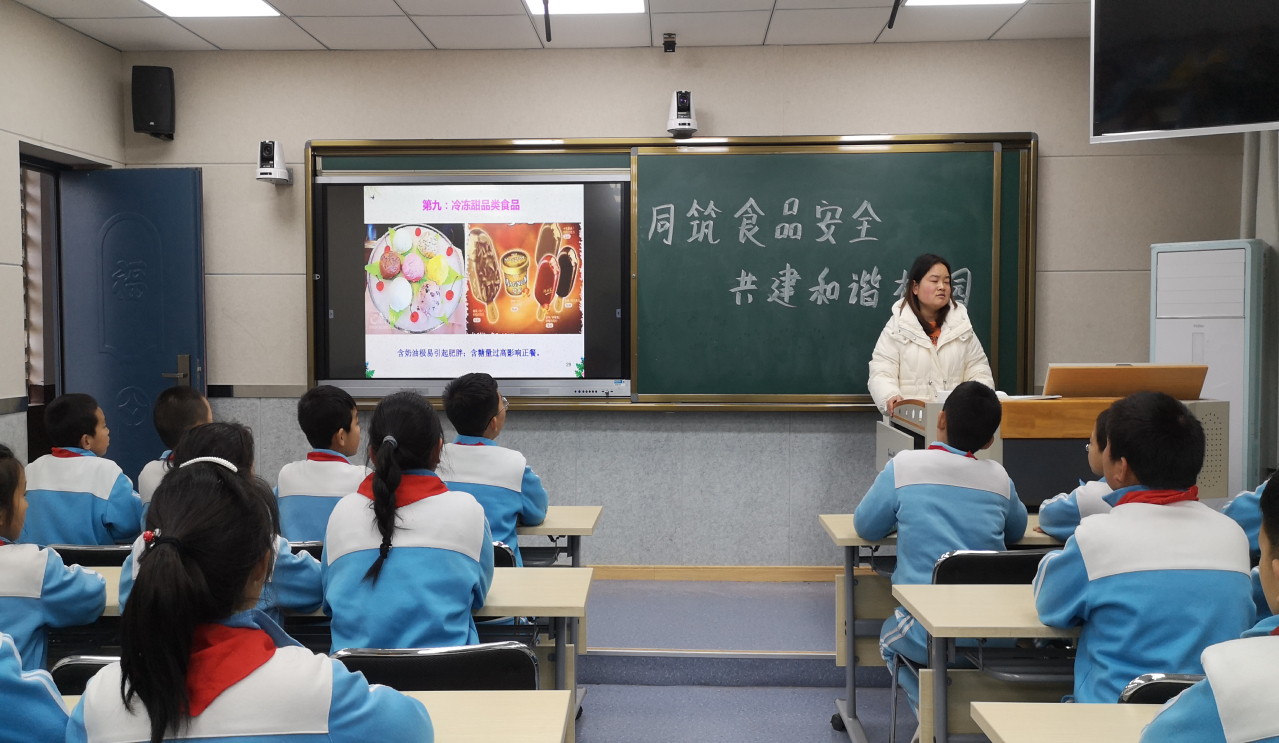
[[893, 402]]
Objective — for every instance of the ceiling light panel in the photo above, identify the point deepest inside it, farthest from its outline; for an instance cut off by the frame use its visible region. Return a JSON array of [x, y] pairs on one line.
[[918, 3], [212, 8], [587, 7]]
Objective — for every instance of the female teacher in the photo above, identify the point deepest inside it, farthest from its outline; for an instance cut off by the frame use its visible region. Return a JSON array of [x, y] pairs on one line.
[[928, 345]]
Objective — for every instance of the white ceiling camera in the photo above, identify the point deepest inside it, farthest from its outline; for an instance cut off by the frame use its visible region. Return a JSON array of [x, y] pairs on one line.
[[271, 164], [682, 121]]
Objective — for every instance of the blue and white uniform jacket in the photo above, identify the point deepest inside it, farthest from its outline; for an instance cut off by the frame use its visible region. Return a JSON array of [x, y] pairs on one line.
[[309, 489], [294, 697], [150, 476], [1060, 515], [38, 591], [938, 500], [1245, 509], [33, 707], [501, 480], [1236, 702], [75, 497], [1152, 585], [439, 568], [295, 584]]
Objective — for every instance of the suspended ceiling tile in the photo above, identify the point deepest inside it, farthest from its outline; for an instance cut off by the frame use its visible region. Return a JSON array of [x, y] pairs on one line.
[[1056, 21], [479, 32], [594, 31], [337, 7], [140, 34], [96, 9], [252, 33], [1062, 2], [827, 26], [377, 33], [827, 4], [948, 22], [706, 6], [464, 7], [739, 28]]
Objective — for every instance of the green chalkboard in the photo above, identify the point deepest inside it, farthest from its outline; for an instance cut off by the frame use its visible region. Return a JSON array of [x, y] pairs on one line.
[[773, 273]]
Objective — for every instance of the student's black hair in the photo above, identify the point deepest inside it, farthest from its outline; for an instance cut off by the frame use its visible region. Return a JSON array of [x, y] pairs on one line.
[[10, 473], [1270, 514], [70, 417], [1163, 443], [918, 270], [213, 531], [471, 401], [404, 434], [322, 412], [230, 441], [973, 414], [178, 409], [1099, 429]]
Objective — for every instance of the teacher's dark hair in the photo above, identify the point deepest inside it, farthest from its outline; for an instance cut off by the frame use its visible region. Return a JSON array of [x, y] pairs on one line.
[[215, 531], [918, 270], [404, 434]]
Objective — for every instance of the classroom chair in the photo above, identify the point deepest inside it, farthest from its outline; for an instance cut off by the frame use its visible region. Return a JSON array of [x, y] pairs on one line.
[[495, 666], [93, 555], [1157, 688], [503, 555], [72, 673], [543, 557], [316, 549]]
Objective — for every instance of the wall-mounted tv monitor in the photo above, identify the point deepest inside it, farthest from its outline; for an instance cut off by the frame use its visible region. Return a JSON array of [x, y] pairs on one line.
[[1175, 68], [418, 283]]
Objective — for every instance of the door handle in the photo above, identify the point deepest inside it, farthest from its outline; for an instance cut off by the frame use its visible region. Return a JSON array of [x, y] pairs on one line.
[[183, 374]]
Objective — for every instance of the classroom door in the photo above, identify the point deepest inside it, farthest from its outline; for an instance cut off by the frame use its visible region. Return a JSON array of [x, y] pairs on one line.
[[132, 273]]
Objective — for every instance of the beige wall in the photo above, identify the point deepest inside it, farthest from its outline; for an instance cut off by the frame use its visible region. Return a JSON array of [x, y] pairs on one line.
[[60, 90], [1100, 207]]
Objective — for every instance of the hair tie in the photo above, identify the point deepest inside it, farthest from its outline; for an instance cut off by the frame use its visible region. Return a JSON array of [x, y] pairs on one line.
[[389, 439], [154, 539], [215, 460]]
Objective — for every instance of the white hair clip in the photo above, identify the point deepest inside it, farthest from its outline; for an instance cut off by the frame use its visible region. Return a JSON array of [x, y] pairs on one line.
[[215, 460]]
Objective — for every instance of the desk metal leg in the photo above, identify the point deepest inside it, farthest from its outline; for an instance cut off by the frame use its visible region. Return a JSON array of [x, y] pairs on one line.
[[937, 649], [575, 554], [561, 654], [847, 707]]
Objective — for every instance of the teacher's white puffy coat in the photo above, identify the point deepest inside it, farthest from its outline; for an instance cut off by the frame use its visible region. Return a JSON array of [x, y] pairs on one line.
[[906, 363]]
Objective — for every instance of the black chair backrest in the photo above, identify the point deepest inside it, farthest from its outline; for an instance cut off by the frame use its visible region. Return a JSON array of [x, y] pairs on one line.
[[93, 555], [315, 549], [72, 673], [503, 556], [495, 666], [967, 567], [1157, 688]]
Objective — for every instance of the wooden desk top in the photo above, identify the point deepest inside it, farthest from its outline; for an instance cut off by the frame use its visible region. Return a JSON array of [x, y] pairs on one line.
[[566, 521], [977, 611], [516, 592], [487, 716], [840, 528], [1010, 722]]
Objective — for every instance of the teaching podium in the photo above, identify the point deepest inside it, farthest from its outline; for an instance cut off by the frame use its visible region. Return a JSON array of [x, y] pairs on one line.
[[1041, 439]]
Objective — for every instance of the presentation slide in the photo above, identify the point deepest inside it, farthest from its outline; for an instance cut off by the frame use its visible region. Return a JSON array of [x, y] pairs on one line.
[[464, 278]]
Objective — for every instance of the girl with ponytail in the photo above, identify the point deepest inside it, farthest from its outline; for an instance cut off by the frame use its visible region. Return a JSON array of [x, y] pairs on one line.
[[405, 559], [295, 579], [199, 661]]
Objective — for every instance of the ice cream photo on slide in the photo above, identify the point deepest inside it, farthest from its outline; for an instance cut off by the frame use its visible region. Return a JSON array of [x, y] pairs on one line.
[[415, 278]]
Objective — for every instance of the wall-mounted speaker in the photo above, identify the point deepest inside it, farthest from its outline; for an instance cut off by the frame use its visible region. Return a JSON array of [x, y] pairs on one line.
[[153, 108]]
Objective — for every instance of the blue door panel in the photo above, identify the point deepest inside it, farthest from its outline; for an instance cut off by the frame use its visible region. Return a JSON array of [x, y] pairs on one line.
[[132, 295]]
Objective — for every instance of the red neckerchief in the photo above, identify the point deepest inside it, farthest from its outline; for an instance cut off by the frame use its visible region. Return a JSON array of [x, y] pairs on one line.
[[1160, 497], [61, 453], [221, 657], [323, 456], [1274, 632], [413, 488], [939, 447], [477, 443]]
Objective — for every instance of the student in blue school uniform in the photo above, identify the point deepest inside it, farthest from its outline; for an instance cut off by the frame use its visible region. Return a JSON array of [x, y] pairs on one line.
[[295, 582], [36, 590], [941, 499], [406, 559], [1060, 515], [42, 716], [1245, 509], [499, 478], [309, 489], [1237, 699], [76, 496], [1160, 577], [199, 662], [177, 410]]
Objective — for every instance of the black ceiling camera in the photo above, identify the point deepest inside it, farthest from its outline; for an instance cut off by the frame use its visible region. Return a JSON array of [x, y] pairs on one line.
[[546, 16], [668, 42]]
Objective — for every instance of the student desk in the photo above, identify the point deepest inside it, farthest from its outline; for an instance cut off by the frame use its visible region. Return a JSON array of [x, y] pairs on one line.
[[969, 611], [1006, 722], [573, 522], [487, 716], [841, 531]]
